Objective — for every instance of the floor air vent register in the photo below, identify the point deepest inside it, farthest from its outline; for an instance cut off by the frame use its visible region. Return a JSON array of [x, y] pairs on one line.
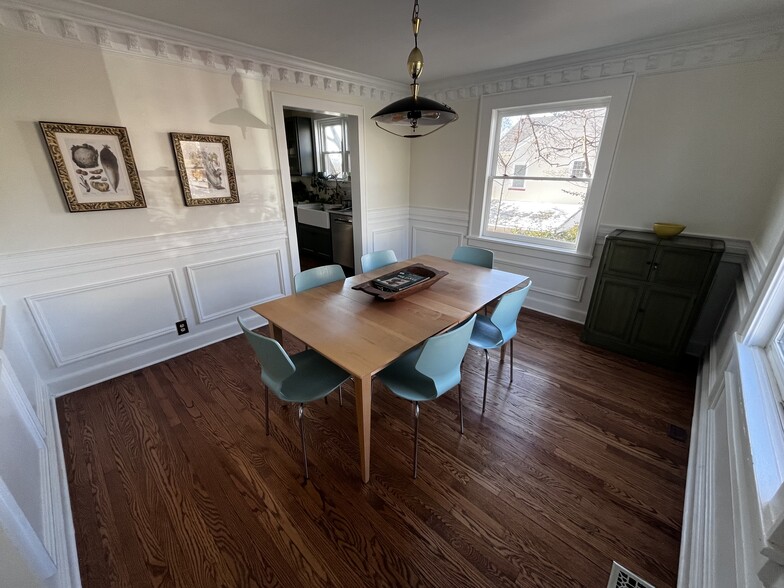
[[620, 577]]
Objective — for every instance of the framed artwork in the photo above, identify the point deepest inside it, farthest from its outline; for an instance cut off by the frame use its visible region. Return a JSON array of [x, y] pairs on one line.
[[95, 166], [206, 168]]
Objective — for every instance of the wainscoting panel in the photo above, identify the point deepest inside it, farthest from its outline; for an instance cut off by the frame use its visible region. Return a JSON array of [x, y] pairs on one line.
[[227, 286], [92, 312], [84, 322], [437, 242], [388, 228], [395, 238], [22, 472]]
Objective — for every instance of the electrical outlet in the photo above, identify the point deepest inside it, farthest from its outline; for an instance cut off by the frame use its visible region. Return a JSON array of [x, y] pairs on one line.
[[182, 327]]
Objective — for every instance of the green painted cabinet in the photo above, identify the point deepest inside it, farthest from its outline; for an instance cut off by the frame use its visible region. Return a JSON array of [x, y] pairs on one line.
[[649, 292]]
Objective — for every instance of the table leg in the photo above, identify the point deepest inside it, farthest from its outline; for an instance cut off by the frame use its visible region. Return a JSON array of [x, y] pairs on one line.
[[362, 391], [276, 332]]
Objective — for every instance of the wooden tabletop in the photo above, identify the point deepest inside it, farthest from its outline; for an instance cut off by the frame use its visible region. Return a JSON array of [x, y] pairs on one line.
[[363, 335]]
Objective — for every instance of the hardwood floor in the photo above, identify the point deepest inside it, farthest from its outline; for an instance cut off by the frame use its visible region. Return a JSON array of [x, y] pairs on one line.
[[173, 482]]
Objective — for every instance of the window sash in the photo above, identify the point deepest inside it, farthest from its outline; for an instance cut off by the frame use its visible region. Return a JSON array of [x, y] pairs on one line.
[[322, 124], [612, 93]]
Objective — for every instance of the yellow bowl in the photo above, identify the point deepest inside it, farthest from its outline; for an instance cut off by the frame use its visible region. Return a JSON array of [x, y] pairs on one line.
[[667, 230]]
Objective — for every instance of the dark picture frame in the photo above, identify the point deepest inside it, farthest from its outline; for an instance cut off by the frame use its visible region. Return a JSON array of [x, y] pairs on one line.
[[206, 168], [95, 166]]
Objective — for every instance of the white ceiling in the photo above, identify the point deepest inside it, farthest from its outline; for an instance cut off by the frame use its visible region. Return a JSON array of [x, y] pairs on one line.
[[457, 37]]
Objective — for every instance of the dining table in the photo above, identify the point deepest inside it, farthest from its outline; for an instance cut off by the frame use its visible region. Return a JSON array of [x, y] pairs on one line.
[[363, 334]]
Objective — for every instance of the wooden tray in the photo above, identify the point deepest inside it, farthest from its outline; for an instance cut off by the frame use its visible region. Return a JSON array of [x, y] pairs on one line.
[[418, 269]]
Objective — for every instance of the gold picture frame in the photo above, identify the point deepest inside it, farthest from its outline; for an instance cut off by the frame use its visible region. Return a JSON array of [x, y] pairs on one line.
[[95, 166], [202, 163]]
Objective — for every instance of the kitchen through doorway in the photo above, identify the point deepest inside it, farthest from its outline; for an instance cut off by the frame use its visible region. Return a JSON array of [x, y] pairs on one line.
[[319, 159]]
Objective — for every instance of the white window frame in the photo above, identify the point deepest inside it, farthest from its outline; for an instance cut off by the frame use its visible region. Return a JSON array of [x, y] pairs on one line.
[[614, 91], [319, 125]]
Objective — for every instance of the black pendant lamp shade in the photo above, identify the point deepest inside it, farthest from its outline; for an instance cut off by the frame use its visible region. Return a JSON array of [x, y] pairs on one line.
[[404, 117]]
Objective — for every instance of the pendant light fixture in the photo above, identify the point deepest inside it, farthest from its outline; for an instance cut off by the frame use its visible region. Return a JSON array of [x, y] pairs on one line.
[[404, 117]]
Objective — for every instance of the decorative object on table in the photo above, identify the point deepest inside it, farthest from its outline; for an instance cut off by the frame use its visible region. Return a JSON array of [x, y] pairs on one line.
[[376, 287], [95, 166], [206, 168], [667, 230], [406, 115]]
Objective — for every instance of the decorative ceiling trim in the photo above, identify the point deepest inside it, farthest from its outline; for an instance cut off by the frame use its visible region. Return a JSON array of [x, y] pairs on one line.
[[73, 22], [686, 51]]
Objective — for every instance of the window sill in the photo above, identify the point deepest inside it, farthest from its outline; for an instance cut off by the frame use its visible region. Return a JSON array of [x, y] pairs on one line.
[[532, 250]]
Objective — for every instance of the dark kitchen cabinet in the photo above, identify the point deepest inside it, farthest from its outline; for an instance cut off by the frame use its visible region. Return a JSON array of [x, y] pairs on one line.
[[649, 292], [299, 143]]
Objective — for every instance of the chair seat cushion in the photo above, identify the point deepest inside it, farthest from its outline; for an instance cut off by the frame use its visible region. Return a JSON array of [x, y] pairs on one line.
[[315, 378], [402, 378], [485, 334]]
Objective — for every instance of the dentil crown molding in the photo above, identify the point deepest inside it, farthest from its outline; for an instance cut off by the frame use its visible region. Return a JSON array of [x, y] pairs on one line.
[[745, 41], [73, 22]]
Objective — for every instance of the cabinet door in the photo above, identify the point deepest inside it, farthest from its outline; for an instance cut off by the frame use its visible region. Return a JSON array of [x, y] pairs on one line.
[[614, 309], [629, 259], [679, 267], [662, 321]]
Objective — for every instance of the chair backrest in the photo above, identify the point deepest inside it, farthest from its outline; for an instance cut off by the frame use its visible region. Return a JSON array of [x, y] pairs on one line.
[[377, 259], [474, 256], [442, 355], [276, 365], [505, 314], [318, 276]]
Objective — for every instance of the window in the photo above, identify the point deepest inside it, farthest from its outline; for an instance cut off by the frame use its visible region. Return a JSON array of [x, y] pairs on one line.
[[548, 142], [543, 162], [332, 146], [579, 169], [518, 183]]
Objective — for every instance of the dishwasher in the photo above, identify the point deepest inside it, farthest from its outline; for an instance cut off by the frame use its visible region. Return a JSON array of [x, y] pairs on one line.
[[342, 239]]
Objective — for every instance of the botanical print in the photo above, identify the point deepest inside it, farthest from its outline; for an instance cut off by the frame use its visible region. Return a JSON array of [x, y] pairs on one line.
[[206, 168], [94, 165]]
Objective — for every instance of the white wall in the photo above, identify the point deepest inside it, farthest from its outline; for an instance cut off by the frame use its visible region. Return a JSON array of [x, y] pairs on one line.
[[702, 148], [88, 296]]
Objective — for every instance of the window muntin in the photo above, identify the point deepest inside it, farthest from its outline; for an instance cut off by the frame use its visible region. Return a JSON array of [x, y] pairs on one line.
[[556, 150], [332, 147]]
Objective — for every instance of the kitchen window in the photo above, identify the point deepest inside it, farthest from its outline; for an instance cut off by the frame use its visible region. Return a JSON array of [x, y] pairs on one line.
[[543, 161], [332, 150]]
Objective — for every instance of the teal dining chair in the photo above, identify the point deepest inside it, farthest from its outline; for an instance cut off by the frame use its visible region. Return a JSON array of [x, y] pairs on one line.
[[499, 328], [474, 256], [318, 276], [315, 277], [299, 378], [377, 259], [428, 371]]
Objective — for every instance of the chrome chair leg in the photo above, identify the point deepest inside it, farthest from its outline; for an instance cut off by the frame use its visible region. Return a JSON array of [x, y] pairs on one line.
[[460, 406], [340, 394], [266, 408], [416, 436], [302, 434], [511, 360], [487, 367]]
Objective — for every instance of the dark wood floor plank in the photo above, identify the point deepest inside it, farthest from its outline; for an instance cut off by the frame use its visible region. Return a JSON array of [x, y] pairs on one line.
[[174, 483]]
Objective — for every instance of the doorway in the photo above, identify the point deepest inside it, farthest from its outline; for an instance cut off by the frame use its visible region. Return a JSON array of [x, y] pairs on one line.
[[320, 150]]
